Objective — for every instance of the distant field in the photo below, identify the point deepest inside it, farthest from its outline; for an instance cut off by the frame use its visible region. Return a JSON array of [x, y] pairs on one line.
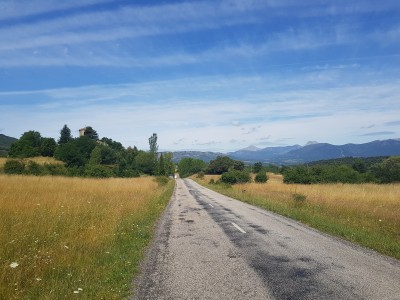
[[368, 214], [62, 238]]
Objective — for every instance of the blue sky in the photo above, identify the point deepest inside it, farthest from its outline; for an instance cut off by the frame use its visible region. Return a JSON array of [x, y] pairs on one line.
[[203, 75]]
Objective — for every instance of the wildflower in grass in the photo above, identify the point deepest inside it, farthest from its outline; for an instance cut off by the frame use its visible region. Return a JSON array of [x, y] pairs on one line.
[[14, 265]]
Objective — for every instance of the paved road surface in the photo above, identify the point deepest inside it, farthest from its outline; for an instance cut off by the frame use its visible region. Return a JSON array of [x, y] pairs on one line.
[[209, 246]]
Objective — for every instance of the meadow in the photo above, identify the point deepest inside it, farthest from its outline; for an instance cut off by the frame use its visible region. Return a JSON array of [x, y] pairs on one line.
[[367, 214], [75, 237]]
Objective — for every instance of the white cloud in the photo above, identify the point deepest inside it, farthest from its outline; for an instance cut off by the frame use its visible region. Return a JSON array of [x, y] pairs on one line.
[[301, 114]]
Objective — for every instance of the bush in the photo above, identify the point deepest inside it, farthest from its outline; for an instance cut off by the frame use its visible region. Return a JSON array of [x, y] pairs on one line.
[[162, 180], [261, 177], [54, 169], [212, 181], [200, 175], [235, 176], [299, 197], [34, 168], [298, 174], [223, 164], [98, 171], [388, 171], [130, 173], [14, 167]]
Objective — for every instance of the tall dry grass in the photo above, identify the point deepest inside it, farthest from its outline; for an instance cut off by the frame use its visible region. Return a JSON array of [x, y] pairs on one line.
[[65, 236], [368, 214]]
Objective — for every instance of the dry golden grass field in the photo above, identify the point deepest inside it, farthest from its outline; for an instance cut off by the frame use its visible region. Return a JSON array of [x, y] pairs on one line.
[[368, 214], [66, 237]]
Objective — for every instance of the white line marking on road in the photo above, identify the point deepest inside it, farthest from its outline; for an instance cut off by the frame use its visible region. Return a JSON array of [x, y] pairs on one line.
[[210, 204], [238, 228]]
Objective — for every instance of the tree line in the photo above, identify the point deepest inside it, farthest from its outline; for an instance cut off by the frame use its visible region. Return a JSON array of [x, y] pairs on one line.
[[87, 155], [231, 171], [347, 170]]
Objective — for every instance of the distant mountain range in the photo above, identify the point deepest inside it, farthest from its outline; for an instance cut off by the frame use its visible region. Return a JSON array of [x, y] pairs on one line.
[[205, 156], [297, 154]]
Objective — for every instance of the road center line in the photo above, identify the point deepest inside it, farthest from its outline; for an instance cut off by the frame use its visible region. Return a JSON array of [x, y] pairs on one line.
[[210, 204], [238, 228]]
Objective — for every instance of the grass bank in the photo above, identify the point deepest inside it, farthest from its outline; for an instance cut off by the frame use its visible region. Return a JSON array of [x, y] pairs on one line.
[[66, 237], [366, 214]]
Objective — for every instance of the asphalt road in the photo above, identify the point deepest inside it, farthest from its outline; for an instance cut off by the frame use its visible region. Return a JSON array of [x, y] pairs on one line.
[[209, 246]]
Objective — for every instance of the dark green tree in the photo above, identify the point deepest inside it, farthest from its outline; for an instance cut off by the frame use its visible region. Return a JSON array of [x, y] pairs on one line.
[[112, 144], [153, 143], [70, 154], [188, 166], [235, 176], [75, 153], [261, 177], [257, 167], [47, 147], [169, 163], [222, 164], [91, 133], [161, 166], [145, 163], [65, 135], [27, 146], [388, 170]]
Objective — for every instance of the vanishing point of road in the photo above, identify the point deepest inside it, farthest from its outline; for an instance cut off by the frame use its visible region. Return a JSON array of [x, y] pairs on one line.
[[209, 246]]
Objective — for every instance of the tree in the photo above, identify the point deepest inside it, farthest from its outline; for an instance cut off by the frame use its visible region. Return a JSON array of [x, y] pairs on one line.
[[102, 155], [261, 177], [70, 154], [113, 144], [161, 166], [47, 147], [188, 166], [27, 146], [169, 163], [95, 156], [65, 135], [222, 164], [235, 176], [388, 170], [257, 167], [76, 152], [153, 143], [145, 162], [91, 133]]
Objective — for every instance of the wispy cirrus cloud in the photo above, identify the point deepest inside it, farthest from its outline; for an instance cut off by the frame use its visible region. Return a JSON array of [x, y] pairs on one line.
[[379, 133], [96, 38], [392, 123]]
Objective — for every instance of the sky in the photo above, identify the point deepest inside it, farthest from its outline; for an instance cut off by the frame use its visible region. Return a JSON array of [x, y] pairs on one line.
[[203, 75]]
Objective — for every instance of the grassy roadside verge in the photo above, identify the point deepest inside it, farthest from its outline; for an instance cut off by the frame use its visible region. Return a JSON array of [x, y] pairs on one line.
[[366, 214], [72, 237]]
